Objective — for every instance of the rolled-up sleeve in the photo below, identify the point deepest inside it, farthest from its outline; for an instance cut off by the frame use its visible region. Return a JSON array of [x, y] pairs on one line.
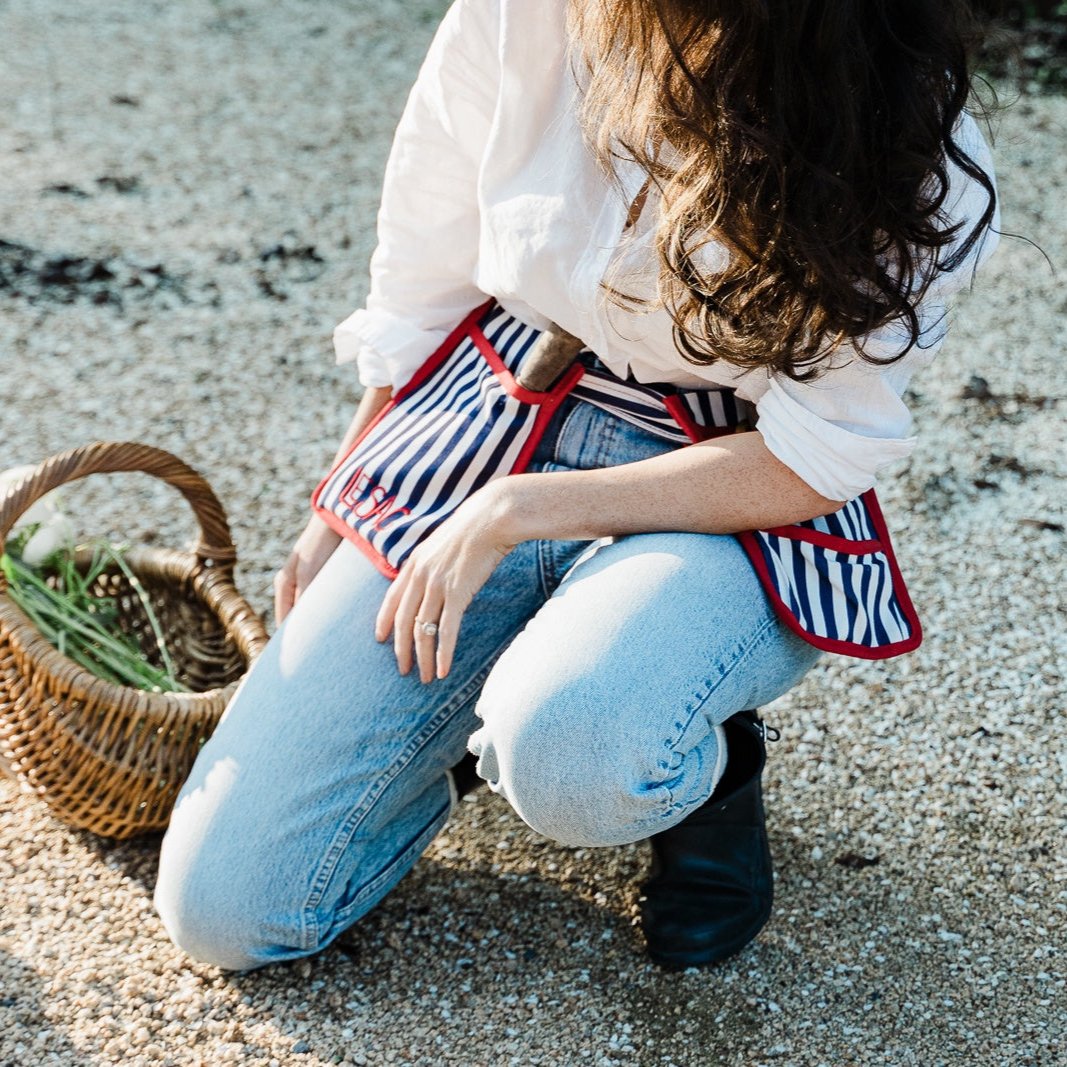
[[422, 269], [838, 431]]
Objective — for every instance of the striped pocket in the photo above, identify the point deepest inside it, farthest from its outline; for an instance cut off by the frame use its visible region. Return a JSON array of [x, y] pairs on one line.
[[834, 581], [460, 421]]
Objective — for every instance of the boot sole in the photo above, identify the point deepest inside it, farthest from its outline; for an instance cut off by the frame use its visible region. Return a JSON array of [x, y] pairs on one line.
[[680, 961]]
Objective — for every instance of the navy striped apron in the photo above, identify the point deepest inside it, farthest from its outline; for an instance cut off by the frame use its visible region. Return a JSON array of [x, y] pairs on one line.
[[462, 420]]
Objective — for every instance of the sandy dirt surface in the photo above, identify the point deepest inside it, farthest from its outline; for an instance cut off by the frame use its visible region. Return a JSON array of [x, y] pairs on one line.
[[186, 210]]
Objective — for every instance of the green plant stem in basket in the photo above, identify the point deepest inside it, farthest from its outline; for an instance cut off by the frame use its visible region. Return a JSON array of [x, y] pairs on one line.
[[83, 626], [146, 603]]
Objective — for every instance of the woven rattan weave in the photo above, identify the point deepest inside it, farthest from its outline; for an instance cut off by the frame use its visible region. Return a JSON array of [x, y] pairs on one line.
[[105, 757]]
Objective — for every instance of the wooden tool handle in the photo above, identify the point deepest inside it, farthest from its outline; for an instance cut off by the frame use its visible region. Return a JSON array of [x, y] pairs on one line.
[[552, 353]]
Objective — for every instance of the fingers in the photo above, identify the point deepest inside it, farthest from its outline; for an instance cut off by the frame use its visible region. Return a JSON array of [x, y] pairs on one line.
[[426, 644], [413, 598], [447, 634], [313, 548], [390, 602], [427, 610], [284, 595]]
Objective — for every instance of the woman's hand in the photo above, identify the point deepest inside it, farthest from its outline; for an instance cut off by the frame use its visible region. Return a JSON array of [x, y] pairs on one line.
[[441, 577], [316, 544], [313, 548]]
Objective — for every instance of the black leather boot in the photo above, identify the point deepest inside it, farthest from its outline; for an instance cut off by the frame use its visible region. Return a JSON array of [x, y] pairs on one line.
[[711, 885], [464, 775]]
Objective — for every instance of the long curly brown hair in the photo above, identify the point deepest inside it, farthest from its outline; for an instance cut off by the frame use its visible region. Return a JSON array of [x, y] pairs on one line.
[[810, 138]]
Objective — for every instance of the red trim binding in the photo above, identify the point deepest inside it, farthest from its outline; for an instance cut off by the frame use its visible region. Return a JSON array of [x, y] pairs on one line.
[[444, 350], [552, 400], [505, 377], [432, 362], [693, 430], [339, 526], [750, 543], [548, 401], [874, 508], [825, 540]]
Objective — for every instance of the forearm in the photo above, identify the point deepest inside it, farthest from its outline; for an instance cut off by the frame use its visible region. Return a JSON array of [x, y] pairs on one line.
[[723, 486], [373, 400]]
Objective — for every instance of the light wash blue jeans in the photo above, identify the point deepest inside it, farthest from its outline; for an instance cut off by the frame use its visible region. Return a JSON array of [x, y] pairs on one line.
[[589, 677]]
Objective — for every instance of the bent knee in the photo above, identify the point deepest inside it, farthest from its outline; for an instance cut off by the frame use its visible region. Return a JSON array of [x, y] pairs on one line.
[[586, 774], [589, 798], [222, 920]]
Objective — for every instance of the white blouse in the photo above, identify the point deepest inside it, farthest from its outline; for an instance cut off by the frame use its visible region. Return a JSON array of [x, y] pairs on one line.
[[490, 190]]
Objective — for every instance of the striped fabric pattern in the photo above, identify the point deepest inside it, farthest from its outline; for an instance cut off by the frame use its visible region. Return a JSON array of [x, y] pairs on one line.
[[637, 402], [432, 447], [462, 421], [836, 595]]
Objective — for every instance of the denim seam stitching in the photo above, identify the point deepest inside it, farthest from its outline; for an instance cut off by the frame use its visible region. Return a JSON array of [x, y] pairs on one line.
[[544, 566], [757, 639], [562, 428], [548, 571], [343, 916], [342, 838], [416, 845], [348, 827], [606, 446]]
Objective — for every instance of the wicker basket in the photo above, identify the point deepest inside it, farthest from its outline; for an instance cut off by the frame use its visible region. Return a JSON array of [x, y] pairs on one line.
[[111, 758]]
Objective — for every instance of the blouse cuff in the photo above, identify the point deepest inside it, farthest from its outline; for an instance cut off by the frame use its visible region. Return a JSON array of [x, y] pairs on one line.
[[839, 464], [387, 349], [371, 365]]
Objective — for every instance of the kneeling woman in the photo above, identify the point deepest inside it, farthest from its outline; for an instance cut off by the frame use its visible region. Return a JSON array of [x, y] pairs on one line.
[[750, 215]]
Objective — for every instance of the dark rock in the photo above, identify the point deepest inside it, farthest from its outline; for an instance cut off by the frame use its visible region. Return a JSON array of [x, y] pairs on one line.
[[66, 189], [977, 389], [853, 861], [119, 183]]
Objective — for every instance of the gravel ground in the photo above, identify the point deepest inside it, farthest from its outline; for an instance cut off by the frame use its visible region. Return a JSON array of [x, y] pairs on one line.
[[186, 211]]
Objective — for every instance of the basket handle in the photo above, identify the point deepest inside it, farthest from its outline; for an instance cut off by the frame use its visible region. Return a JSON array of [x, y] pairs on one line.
[[215, 546]]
